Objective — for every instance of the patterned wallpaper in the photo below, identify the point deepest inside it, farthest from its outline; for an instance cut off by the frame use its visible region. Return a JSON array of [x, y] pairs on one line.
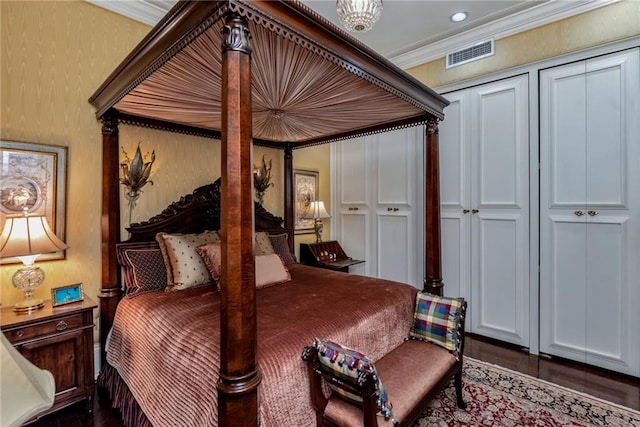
[[606, 24], [53, 56]]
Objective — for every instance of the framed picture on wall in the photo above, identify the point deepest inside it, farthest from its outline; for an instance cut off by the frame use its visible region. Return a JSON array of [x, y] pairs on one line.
[[33, 179], [305, 187]]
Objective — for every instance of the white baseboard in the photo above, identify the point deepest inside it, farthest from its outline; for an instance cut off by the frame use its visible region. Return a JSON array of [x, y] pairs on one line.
[[96, 360]]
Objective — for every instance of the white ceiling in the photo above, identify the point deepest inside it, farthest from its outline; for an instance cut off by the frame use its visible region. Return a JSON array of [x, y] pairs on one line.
[[411, 32]]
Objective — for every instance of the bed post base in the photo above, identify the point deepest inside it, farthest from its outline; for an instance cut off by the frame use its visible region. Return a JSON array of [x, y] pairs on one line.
[[433, 258]]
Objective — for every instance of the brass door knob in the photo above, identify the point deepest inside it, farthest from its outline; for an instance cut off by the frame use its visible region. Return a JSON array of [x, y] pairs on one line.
[[579, 213], [465, 211], [474, 211], [593, 213]]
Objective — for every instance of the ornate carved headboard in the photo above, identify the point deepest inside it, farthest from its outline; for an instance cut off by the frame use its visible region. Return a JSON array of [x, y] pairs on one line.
[[197, 212]]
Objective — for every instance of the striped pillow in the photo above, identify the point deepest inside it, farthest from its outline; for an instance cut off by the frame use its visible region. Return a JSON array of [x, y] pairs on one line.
[[346, 364], [436, 318]]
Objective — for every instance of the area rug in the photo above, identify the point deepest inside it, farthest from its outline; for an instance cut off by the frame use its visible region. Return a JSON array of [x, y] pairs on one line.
[[497, 396]]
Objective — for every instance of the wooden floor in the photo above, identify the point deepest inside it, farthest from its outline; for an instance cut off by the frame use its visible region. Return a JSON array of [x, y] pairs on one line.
[[614, 388]]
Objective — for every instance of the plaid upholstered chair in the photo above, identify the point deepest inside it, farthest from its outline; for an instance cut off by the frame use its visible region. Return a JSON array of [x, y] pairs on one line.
[[396, 389]]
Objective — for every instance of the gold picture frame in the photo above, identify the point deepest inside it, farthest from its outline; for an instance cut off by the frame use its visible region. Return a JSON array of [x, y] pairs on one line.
[[67, 294], [34, 177], [305, 187]]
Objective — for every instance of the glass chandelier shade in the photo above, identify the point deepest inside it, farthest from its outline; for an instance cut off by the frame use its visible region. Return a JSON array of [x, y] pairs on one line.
[[26, 237], [359, 16]]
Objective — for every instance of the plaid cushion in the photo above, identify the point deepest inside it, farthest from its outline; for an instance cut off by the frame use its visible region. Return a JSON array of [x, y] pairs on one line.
[[436, 318], [143, 267], [280, 243], [345, 364]]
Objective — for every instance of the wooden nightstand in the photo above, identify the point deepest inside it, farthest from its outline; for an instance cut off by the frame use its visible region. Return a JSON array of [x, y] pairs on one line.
[[60, 340]]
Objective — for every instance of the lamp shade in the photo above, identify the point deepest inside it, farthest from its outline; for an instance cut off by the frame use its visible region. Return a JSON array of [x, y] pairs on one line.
[[25, 389], [316, 210], [28, 235]]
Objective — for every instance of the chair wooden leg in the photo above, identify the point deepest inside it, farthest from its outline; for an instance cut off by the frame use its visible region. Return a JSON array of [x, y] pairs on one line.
[[458, 384]]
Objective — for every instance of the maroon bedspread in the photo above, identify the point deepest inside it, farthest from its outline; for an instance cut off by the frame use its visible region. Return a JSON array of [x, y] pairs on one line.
[[166, 345]]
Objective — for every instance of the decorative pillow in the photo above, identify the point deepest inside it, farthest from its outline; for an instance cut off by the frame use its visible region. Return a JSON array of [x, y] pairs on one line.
[[143, 267], [280, 243], [212, 256], [270, 270], [346, 363], [186, 266], [435, 319], [263, 244]]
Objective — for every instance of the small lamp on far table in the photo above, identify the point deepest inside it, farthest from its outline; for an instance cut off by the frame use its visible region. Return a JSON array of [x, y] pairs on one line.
[[26, 237], [316, 212]]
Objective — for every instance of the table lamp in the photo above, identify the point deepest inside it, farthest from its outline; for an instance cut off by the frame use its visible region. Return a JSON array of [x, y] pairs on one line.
[[26, 237], [317, 212]]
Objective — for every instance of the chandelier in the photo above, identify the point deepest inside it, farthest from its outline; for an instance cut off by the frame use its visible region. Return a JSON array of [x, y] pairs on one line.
[[359, 15]]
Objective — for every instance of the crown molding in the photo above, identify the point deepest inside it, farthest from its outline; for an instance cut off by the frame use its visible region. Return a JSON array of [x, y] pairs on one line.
[[140, 11], [536, 16]]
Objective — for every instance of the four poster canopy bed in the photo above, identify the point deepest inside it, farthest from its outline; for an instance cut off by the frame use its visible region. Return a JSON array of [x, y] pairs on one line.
[[268, 73]]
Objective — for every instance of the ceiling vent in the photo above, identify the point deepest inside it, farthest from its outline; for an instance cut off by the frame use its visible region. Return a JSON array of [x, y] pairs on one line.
[[472, 53]]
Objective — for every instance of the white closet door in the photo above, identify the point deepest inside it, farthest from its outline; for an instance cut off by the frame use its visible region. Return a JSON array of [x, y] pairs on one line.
[[484, 181], [455, 198], [590, 209], [397, 179], [353, 232], [500, 200], [379, 181]]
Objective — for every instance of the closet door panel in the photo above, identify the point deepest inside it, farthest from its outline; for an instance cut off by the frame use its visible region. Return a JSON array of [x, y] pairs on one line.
[[354, 239], [564, 125], [353, 169], [455, 254], [501, 310], [605, 249], [395, 260], [500, 210], [395, 156], [454, 154], [605, 138], [562, 321], [498, 129]]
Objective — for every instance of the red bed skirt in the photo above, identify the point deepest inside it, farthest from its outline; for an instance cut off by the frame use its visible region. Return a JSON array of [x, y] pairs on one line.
[[122, 398]]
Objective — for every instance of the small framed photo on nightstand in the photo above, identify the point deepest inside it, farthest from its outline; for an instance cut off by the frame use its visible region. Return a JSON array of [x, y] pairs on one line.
[[67, 294]]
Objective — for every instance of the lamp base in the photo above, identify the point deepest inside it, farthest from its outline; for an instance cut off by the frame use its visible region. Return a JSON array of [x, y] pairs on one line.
[[26, 306], [27, 279], [318, 227]]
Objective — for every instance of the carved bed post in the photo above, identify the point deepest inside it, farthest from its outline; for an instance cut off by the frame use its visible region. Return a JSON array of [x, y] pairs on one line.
[[288, 192], [109, 227], [239, 375], [432, 252]]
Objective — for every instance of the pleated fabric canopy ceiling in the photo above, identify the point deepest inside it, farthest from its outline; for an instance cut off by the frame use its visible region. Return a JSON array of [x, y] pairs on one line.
[[311, 81]]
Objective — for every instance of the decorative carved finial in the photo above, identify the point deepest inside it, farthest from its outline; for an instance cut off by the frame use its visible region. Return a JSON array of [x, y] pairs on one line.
[[109, 125], [236, 35], [432, 125]]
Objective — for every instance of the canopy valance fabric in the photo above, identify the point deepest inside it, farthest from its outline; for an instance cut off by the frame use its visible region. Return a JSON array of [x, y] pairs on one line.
[[305, 90]]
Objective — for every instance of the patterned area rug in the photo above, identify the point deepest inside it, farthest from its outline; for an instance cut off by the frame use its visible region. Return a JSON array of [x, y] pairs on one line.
[[497, 396]]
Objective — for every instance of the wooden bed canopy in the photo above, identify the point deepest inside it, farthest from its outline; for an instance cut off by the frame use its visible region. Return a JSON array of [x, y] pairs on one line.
[[271, 73]]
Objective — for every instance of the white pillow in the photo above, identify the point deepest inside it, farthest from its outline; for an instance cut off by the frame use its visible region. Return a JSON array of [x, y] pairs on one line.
[[185, 267], [270, 270]]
